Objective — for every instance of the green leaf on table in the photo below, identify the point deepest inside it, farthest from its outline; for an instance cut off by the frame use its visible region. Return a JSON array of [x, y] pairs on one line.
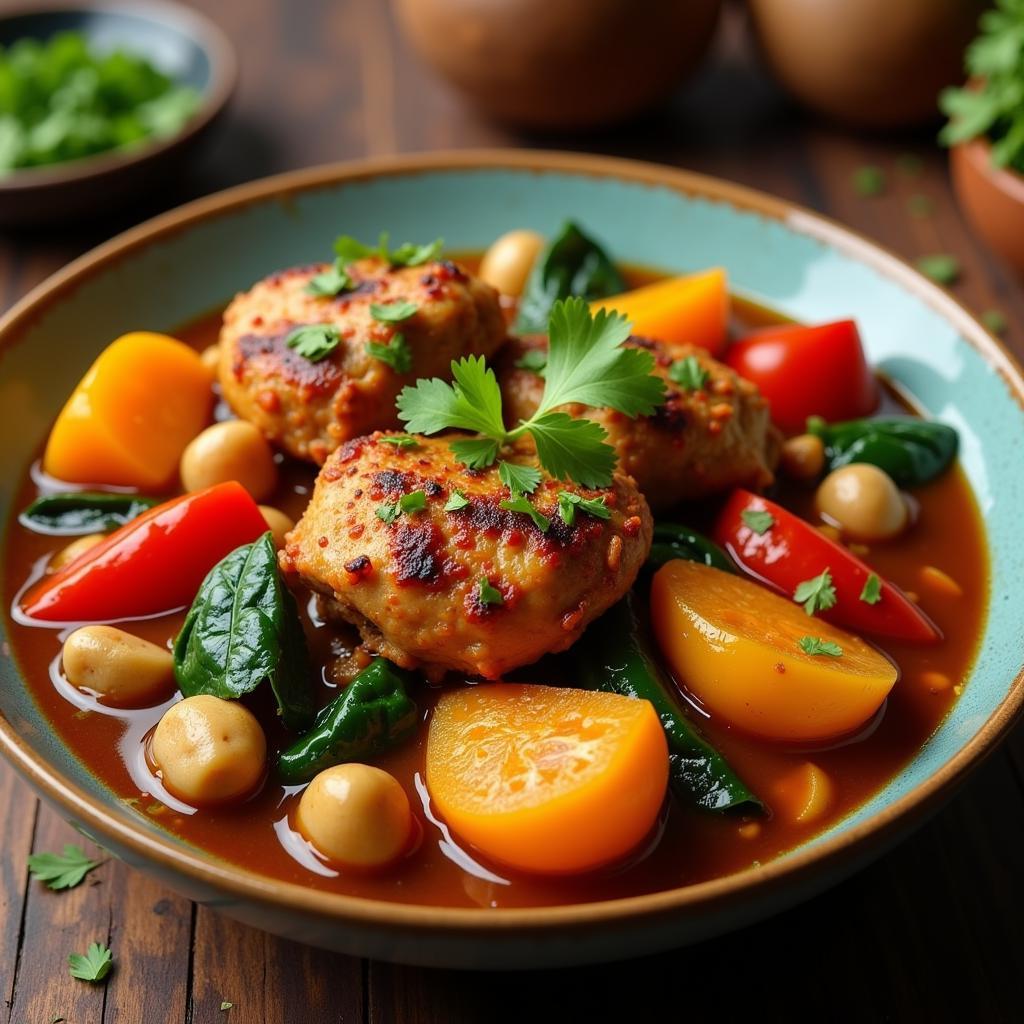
[[61, 870], [941, 267], [94, 966]]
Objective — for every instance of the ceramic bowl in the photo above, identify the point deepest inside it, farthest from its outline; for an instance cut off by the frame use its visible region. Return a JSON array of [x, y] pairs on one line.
[[185, 263], [179, 41]]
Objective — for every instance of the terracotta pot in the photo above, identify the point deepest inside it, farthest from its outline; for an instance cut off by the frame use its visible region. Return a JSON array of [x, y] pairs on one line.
[[563, 64], [992, 198]]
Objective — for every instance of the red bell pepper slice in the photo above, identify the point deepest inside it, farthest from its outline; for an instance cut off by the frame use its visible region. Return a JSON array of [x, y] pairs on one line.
[[153, 564], [790, 551], [808, 371]]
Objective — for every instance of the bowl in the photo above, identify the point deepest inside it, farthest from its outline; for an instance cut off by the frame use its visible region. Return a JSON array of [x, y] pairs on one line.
[[179, 41], [992, 198], [182, 264]]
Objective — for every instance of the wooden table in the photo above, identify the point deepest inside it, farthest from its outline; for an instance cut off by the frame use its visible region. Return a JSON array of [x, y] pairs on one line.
[[935, 930]]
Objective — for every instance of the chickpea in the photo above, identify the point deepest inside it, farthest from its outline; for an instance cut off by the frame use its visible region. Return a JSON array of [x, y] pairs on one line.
[[507, 263], [277, 522], [863, 502], [211, 359], [77, 547], [125, 670], [209, 750], [233, 450], [803, 457], [356, 815]]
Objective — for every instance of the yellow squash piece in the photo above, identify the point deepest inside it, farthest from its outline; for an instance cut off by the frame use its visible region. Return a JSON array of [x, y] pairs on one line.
[[736, 648], [547, 779], [132, 414]]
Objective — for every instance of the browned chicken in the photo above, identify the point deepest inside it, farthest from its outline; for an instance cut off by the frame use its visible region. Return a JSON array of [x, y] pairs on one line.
[[309, 408], [698, 443], [473, 588]]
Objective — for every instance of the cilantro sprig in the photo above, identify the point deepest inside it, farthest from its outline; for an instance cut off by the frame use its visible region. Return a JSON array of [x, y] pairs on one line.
[[61, 870], [349, 249], [816, 594], [94, 966], [586, 365], [815, 646]]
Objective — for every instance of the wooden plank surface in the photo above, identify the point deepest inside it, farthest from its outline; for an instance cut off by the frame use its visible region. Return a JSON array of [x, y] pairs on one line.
[[933, 931]]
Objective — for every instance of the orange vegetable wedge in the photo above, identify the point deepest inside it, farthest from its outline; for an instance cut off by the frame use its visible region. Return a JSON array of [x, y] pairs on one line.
[[736, 647], [132, 414], [692, 309], [547, 779]]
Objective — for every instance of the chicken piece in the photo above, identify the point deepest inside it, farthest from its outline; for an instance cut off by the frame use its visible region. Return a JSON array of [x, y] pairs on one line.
[[309, 408], [478, 590], [697, 444]]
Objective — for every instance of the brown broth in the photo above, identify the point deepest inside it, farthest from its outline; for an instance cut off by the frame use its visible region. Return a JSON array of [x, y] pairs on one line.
[[693, 846]]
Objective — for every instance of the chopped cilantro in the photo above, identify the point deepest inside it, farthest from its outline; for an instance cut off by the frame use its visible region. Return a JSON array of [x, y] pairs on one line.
[[759, 520], [689, 373], [399, 440], [521, 503], [815, 645], [487, 594], [941, 267], [388, 512], [456, 500], [397, 354], [314, 341], [392, 312], [329, 282], [872, 592], [569, 502], [414, 501], [816, 594]]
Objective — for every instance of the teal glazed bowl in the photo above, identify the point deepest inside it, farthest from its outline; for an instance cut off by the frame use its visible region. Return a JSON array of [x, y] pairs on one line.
[[185, 263]]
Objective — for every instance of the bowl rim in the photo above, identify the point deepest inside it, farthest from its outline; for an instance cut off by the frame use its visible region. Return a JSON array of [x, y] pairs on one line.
[[204, 32], [205, 869]]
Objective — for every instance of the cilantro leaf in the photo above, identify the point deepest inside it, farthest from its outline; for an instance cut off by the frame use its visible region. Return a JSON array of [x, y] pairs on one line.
[[519, 479], [350, 249], [472, 403], [569, 502], [815, 645], [941, 267], [396, 353], [689, 373], [521, 503], [410, 255], [393, 312], [94, 966], [587, 364], [869, 181], [476, 453], [535, 359], [456, 500], [329, 282], [399, 440], [388, 512], [872, 592], [816, 594], [487, 594], [759, 520], [314, 341], [414, 501], [571, 449], [61, 870]]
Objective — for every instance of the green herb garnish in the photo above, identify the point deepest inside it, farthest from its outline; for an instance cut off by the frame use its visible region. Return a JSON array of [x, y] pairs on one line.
[[815, 645], [487, 594], [941, 267], [225, 1005], [388, 512], [534, 359], [399, 440], [393, 312], [61, 870], [314, 341], [816, 594], [414, 501], [869, 181], [872, 592], [689, 373], [456, 500], [569, 502], [349, 249], [94, 966], [586, 364], [519, 479], [521, 503], [758, 519], [396, 353], [994, 321], [330, 282]]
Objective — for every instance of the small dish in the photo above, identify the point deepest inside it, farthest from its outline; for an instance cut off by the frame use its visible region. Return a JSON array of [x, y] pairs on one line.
[[180, 41]]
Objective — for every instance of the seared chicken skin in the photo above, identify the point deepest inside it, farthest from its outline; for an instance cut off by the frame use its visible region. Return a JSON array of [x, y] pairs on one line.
[[698, 443], [478, 590], [309, 408]]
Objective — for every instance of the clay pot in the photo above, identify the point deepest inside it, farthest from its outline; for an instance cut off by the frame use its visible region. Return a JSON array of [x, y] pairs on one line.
[[876, 63], [560, 63], [992, 198]]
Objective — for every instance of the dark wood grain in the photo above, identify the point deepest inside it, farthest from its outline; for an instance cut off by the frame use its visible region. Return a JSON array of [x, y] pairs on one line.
[[933, 931]]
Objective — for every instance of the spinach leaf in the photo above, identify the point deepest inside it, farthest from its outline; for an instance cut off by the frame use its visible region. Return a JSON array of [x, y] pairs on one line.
[[673, 540], [82, 512], [911, 451], [571, 264], [243, 627]]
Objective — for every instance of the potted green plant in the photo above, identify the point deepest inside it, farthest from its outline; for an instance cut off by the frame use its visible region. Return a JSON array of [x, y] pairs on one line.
[[986, 132]]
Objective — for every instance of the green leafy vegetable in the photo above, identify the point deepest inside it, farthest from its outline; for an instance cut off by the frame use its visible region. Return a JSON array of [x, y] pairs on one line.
[[488, 595], [992, 104], [869, 181], [911, 451], [569, 502], [872, 591], [388, 512], [758, 519], [349, 249], [399, 440], [456, 500], [61, 870], [415, 501], [243, 627], [535, 359], [572, 264], [521, 503], [81, 512], [225, 1005], [673, 540], [396, 353], [689, 373], [314, 341], [519, 479], [816, 646], [393, 312], [477, 453], [816, 594], [994, 321], [373, 713], [941, 267], [94, 966], [330, 282]]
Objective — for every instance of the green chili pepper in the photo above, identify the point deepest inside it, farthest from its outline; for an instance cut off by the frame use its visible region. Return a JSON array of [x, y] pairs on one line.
[[82, 512], [613, 656], [372, 713], [673, 540], [911, 451]]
